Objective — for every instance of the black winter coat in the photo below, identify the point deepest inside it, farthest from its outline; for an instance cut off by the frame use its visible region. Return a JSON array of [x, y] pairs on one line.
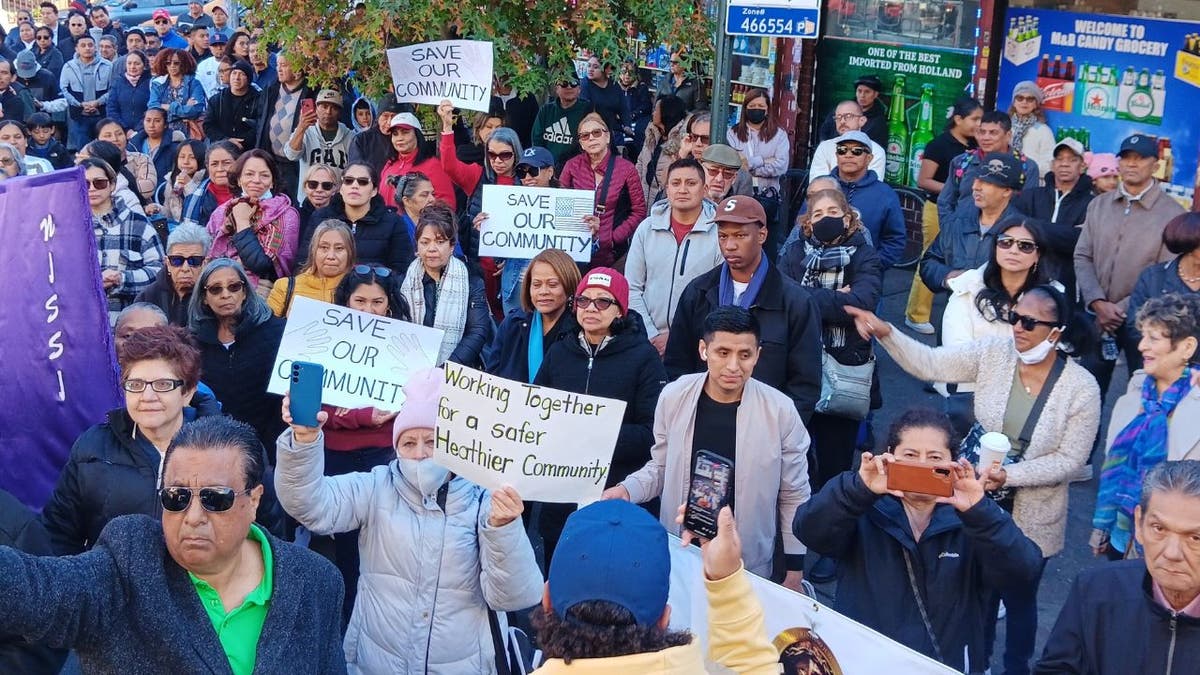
[[477, 332], [161, 293], [959, 246], [1112, 625], [380, 237], [960, 559], [1062, 233], [789, 319], [626, 368], [230, 116], [21, 529], [508, 355], [239, 376], [371, 147]]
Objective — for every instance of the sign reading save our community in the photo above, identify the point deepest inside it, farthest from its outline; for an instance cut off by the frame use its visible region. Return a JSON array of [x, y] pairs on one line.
[[524, 221], [456, 70]]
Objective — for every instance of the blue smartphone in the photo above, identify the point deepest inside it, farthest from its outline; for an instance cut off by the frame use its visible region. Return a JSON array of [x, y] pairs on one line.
[[305, 392]]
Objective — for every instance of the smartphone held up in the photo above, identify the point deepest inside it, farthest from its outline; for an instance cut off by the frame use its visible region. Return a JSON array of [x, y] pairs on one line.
[[920, 477], [304, 392], [711, 488]]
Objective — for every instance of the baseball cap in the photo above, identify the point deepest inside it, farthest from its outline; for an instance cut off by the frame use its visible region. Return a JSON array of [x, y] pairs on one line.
[[389, 104], [854, 137], [1146, 146], [610, 280], [613, 551], [218, 39], [26, 63], [1075, 146], [1001, 168], [184, 28], [741, 209], [214, 6], [871, 81], [135, 29], [722, 155], [329, 96], [536, 157], [161, 14], [405, 119]]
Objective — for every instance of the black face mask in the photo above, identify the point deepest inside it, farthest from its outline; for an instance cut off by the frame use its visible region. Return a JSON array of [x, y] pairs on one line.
[[828, 229], [756, 116]]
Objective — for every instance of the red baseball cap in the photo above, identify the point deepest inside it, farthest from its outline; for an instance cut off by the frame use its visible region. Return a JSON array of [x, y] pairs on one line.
[[161, 14]]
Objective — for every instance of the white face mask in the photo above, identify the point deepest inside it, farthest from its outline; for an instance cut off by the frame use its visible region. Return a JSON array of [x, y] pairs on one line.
[[424, 475], [1037, 353]]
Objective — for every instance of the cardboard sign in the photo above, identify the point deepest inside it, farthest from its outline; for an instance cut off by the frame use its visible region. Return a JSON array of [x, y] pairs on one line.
[[457, 70], [524, 221], [551, 445], [367, 358]]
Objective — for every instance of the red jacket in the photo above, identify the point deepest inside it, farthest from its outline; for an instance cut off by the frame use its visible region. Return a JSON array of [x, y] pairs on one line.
[[443, 188], [577, 173]]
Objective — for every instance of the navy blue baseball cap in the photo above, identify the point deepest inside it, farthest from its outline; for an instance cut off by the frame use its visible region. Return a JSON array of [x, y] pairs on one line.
[[1003, 169], [538, 158], [614, 551], [1146, 146]]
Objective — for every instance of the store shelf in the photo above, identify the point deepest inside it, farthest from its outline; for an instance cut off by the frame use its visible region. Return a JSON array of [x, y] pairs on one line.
[[657, 70], [764, 57]]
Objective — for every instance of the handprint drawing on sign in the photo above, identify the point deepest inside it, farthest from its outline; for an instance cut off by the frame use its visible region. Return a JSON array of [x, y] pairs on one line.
[[403, 348], [313, 340]]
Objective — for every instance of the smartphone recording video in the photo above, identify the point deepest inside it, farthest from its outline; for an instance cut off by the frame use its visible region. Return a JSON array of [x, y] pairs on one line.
[[711, 489]]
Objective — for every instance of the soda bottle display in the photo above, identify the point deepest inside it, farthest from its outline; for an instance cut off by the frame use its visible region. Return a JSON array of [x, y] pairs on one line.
[[897, 145], [922, 135]]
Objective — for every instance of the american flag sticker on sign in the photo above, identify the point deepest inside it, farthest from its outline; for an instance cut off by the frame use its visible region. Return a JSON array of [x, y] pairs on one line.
[[569, 213]]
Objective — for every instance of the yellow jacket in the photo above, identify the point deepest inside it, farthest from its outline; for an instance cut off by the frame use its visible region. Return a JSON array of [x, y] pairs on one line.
[[737, 638], [308, 285]]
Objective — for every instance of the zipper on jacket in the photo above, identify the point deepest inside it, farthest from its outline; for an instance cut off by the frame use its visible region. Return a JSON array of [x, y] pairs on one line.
[[587, 385], [1171, 648], [682, 259]]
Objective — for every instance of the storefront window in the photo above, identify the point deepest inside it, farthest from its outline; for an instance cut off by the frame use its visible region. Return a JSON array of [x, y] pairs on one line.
[[931, 23], [1187, 10]]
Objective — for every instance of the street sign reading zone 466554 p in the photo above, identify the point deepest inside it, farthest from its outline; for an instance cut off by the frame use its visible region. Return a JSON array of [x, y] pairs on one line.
[[773, 18]]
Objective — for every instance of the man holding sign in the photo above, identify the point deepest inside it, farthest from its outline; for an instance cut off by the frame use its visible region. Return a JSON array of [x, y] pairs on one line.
[[458, 70]]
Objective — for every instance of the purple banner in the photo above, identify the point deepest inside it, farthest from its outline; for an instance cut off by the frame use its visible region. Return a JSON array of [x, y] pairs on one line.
[[59, 376]]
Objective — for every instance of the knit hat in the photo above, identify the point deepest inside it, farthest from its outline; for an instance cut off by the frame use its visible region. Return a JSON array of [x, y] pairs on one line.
[[245, 68], [1100, 164], [1029, 88], [610, 280], [421, 394]]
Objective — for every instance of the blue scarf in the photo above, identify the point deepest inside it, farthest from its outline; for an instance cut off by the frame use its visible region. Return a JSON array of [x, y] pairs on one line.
[[1139, 447], [752, 289], [534, 353]]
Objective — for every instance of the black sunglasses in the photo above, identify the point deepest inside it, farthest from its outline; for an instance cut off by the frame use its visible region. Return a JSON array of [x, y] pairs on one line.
[[323, 184], [857, 151], [234, 288], [381, 272], [363, 181], [503, 155], [524, 171], [1023, 245], [213, 499], [1028, 322], [601, 304], [191, 260]]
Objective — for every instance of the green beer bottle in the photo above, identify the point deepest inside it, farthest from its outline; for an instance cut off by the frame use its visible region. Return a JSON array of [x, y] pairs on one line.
[[897, 145], [922, 135]]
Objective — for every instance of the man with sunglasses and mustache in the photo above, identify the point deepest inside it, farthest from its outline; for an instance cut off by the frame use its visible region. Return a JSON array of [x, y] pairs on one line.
[[848, 116], [724, 176], [876, 202], [199, 589], [163, 28]]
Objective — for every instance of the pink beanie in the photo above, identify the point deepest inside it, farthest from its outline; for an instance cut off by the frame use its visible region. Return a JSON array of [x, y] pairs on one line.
[[1101, 164], [420, 408]]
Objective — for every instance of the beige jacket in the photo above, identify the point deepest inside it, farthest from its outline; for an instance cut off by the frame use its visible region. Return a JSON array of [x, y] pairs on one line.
[[770, 473], [1183, 430], [1115, 246], [1061, 441]]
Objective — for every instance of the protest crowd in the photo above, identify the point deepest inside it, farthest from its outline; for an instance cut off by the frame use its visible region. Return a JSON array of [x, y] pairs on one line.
[[226, 194]]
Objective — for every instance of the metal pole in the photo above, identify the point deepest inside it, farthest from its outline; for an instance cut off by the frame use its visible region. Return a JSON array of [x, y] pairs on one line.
[[722, 73]]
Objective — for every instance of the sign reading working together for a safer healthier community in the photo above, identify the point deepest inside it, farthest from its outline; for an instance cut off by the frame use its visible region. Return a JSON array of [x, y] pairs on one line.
[[551, 445], [367, 358], [456, 70], [524, 221]]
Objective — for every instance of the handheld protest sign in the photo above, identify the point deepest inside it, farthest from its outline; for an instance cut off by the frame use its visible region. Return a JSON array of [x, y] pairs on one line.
[[367, 358], [524, 221], [456, 70], [494, 431]]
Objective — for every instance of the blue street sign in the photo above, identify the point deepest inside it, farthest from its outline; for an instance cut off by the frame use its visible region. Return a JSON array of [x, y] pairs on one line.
[[773, 18]]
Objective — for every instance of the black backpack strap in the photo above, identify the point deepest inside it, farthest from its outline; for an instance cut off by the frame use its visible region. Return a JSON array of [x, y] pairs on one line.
[[291, 291]]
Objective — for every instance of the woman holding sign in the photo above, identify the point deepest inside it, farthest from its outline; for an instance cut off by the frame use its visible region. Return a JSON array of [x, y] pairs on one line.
[[609, 356], [620, 203], [528, 333], [438, 552], [441, 292]]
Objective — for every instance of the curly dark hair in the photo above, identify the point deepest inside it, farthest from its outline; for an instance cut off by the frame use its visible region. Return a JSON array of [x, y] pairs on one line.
[[923, 418], [596, 629], [172, 344]]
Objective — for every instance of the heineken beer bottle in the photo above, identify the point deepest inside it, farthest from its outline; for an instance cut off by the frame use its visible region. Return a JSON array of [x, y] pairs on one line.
[[922, 135], [897, 145]]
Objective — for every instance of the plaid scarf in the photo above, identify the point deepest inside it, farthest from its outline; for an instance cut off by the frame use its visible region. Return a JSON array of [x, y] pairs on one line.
[[825, 267], [1139, 447], [269, 234]]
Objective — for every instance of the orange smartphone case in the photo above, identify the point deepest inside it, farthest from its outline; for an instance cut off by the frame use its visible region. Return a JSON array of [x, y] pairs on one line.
[[926, 479]]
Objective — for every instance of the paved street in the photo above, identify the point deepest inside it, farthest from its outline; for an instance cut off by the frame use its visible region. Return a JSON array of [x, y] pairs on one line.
[[901, 391]]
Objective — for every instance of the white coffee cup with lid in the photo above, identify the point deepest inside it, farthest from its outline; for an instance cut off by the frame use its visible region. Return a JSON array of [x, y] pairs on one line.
[[993, 448]]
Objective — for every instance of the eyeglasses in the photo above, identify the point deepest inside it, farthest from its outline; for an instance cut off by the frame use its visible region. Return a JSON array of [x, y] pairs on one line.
[[99, 183], [568, 85], [1023, 245], [857, 151], [846, 117], [1028, 322], [363, 181], [601, 304], [594, 133], [1025, 98], [524, 171], [7, 161], [191, 260], [323, 184], [161, 386], [43, 37], [698, 138], [503, 156], [234, 288], [159, 22], [725, 172], [213, 499], [381, 272]]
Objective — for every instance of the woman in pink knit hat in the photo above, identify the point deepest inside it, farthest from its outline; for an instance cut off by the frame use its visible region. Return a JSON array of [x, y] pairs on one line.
[[437, 551]]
